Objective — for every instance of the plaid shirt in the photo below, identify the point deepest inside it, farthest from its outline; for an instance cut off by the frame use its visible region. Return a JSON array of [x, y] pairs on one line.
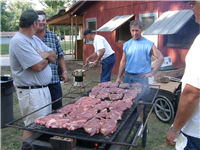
[[51, 40]]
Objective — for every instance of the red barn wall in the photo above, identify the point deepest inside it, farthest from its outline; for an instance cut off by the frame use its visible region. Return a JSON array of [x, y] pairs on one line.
[[103, 11]]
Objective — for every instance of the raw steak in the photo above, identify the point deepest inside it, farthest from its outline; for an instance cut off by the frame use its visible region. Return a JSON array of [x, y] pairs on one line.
[[103, 105], [114, 90], [92, 126], [42, 120], [67, 109], [123, 91], [96, 89], [88, 114], [104, 84], [121, 105], [102, 95], [104, 90], [108, 126], [129, 95], [115, 115], [115, 84], [128, 103], [115, 97], [57, 123], [124, 85], [93, 94], [102, 114], [74, 125]]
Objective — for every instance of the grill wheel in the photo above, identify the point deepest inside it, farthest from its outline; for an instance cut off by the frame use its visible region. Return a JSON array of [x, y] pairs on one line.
[[164, 109]]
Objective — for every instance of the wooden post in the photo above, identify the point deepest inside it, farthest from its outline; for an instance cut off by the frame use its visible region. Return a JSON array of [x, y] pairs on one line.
[[70, 39], [64, 41], [76, 39], [72, 35], [59, 33]]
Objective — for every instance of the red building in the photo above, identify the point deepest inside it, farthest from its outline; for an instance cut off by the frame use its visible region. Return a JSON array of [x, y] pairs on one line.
[[172, 33]]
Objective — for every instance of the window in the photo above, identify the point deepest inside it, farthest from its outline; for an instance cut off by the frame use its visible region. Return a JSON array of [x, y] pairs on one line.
[[91, 24], [123, 33], [184, 37], [147, 20]]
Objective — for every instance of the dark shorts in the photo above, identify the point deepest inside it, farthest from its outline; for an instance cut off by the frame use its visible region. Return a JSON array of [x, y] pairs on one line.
[[107, 66], [193, 143], [56, 93]]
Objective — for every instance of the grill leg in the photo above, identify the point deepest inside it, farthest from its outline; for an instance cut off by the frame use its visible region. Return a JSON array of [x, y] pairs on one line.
[[144, 137]]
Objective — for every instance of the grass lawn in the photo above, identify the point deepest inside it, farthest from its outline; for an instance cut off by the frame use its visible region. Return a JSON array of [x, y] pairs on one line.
[[5, 47]]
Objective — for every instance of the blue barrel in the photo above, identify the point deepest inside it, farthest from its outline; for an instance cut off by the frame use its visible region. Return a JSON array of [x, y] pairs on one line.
[[6, 100]]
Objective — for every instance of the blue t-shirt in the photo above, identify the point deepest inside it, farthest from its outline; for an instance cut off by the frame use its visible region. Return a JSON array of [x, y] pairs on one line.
[[138, 58]]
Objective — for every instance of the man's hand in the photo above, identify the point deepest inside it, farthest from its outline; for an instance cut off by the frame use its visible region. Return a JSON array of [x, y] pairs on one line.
[[150, 74], [44, 55], [118, 80], [170, 137], [64, 77], [94, 64]]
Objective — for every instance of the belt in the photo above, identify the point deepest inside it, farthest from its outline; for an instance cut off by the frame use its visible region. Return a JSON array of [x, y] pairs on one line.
[[31, 87]]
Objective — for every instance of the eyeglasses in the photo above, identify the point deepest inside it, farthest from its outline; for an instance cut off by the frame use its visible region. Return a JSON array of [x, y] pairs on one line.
[[192, 4]]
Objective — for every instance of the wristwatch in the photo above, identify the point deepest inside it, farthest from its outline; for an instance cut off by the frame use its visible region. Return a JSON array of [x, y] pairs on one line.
[[174, 130], [96, 61], [64, 72]]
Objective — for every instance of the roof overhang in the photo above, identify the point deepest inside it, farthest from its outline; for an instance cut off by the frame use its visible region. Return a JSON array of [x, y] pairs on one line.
[[170, 22], [115, 23]]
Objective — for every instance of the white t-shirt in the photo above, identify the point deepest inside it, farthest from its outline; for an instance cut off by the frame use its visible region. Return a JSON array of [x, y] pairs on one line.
[[23, 52], [192, 77], [99, 43]]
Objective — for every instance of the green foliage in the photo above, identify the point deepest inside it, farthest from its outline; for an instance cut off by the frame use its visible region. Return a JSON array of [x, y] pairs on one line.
[[4, 16], [57, 4], [15, 9]]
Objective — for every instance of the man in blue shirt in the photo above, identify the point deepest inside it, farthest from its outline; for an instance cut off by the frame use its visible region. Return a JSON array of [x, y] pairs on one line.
[[136, 58], [51, 40]]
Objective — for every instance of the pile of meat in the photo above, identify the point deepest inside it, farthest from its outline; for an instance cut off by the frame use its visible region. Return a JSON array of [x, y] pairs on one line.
[[97, 113]]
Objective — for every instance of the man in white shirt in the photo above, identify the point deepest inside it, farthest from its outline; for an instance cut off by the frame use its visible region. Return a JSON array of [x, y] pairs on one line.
[[102, 52], [187, 119]]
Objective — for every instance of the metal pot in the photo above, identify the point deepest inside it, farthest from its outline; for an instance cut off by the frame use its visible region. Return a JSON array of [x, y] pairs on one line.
[[79, 72]]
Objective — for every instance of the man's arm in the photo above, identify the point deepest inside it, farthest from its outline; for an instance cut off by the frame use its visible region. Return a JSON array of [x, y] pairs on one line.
[[40, 66], [158, 63], [62, 65], [189, 101], [50, 56], [101, 53], [121, 67], [91, 56]]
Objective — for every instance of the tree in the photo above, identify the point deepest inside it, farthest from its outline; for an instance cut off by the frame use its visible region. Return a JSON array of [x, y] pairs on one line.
[[4, 16], [15, 9], [57, 4]]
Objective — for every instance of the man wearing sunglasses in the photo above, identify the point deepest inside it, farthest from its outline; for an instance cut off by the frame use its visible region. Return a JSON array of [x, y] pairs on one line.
[[187, 120]]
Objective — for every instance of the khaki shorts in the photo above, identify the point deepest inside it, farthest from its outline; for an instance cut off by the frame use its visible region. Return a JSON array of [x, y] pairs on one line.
[[31, 100]]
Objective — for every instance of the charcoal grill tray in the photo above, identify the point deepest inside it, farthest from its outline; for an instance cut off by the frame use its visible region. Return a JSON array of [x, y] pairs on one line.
[[80, 133]]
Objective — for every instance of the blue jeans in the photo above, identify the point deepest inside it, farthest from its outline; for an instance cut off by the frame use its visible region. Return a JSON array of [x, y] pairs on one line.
[[193, 143], [56, 93], [107, 66], [133, 78]]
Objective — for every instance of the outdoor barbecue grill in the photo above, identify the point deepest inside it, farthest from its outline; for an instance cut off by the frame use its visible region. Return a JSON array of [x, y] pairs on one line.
[[117, 140]]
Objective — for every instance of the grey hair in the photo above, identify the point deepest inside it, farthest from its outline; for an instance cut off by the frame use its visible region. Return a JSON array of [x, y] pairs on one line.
[[136, 23]]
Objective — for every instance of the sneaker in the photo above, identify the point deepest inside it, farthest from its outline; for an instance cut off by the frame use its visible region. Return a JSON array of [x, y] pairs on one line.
[[140, 130]]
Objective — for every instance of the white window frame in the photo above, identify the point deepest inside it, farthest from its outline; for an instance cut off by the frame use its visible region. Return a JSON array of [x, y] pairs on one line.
[[153, 38], [87, 21]]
